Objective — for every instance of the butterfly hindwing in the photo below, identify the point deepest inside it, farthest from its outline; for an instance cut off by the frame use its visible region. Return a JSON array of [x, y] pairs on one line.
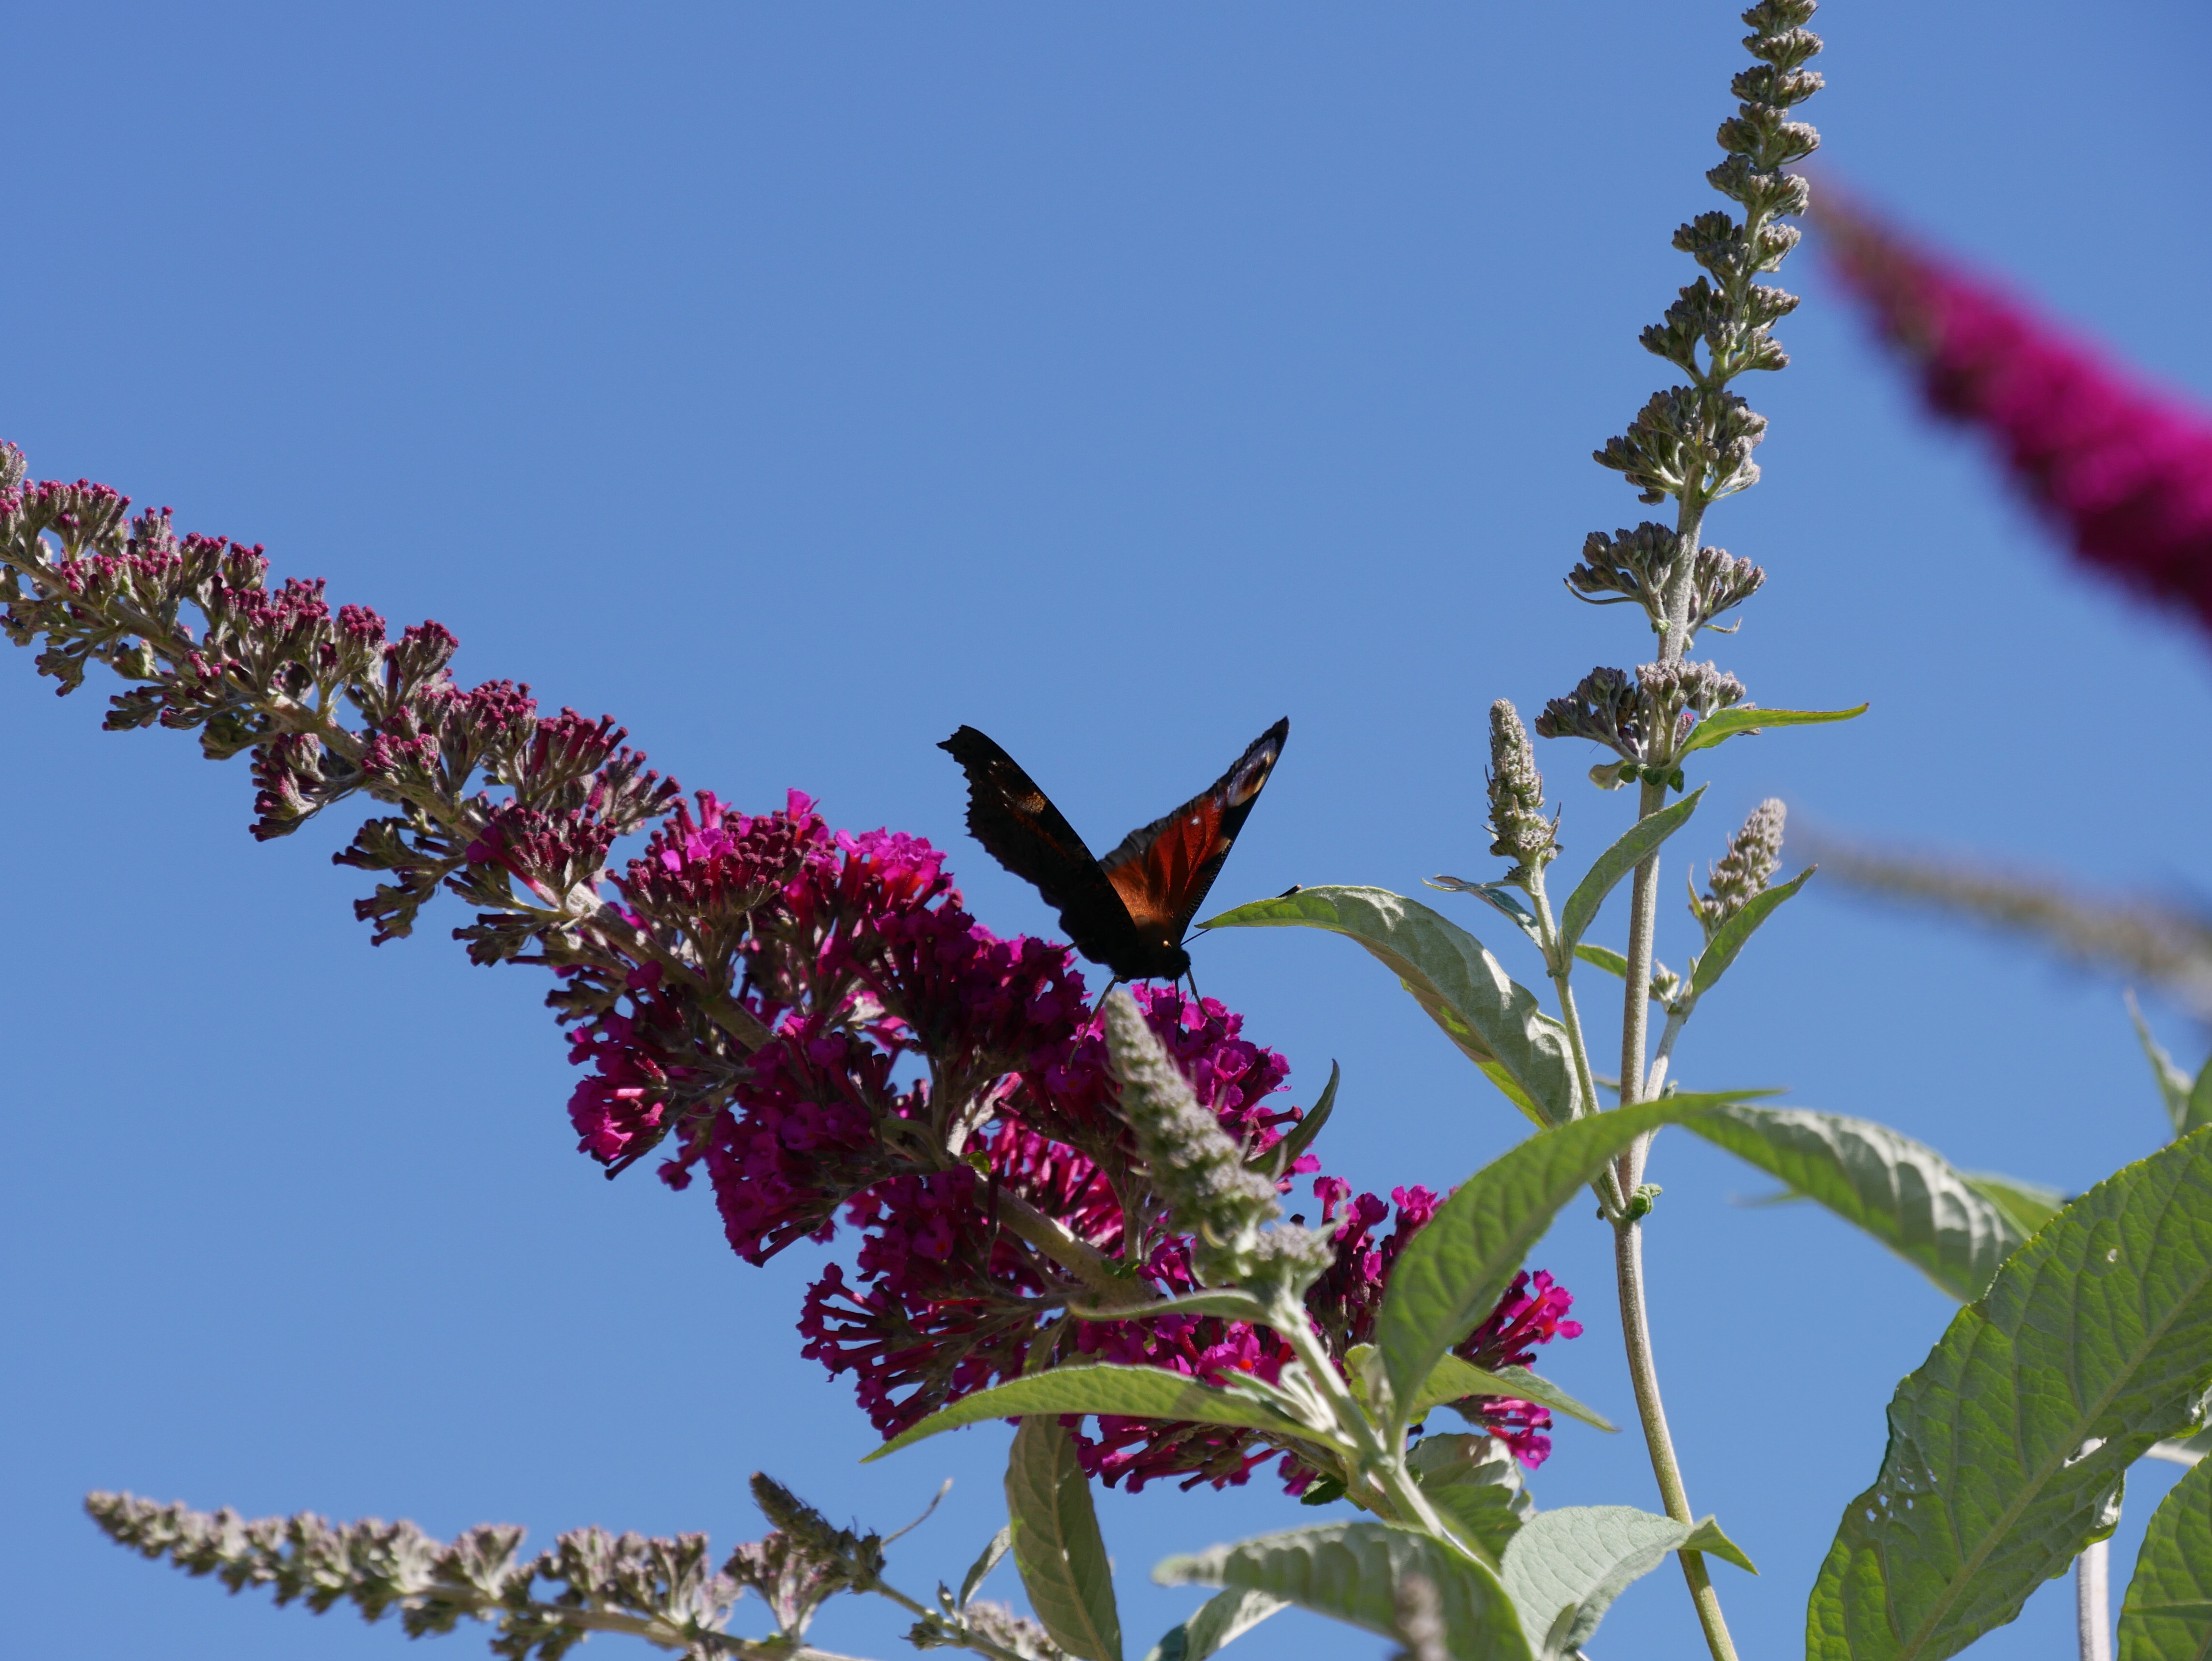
[[1163, 871], [1020, 827]]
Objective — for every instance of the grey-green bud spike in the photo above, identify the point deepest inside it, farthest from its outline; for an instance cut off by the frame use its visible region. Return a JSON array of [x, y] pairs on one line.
[[1516, 798], [1200, 1171], [1754, 855]]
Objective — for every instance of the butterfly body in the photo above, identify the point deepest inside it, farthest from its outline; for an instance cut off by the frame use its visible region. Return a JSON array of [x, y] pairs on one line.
[[1130, 910]]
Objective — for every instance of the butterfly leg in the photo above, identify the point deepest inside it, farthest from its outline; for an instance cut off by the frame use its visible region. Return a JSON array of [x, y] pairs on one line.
[[1100, 1004], [1197, 996]]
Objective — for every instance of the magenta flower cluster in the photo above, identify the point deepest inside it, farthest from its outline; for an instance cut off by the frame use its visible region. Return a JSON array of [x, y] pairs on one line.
[[812, 1018], [2124, 470]]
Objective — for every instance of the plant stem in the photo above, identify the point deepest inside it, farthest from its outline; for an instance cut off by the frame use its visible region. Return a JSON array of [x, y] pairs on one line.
[[1628, 1231], [2092, 1601], [1635, 1332]]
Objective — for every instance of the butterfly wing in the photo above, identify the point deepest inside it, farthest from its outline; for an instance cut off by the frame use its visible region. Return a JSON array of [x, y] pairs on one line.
[[1020, 827], [1162, 872]]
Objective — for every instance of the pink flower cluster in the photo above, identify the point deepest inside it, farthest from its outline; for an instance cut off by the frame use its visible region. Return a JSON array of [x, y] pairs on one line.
[[2124, 470], [811, 1018], [925, 1076]]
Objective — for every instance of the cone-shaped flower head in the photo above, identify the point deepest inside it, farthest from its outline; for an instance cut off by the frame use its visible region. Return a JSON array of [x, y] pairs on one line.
[[1754, 855], [1212, 1194], [1516, 798]]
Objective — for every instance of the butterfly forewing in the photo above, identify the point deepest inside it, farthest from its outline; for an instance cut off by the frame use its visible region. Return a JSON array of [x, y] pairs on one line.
[[1024, 832], [1163, 872]]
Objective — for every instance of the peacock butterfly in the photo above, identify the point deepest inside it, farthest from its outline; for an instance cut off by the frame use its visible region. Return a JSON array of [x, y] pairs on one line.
[[1130, 910]]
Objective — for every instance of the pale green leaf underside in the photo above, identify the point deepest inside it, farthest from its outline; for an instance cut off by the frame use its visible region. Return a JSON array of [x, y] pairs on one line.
[[1465, 990], [2174, 1087], [1352, 1570], [2029, 1205], [2167, 1616], [1564, 1568], [1220, 1620], [1056, 1544], [1129, 1392], [1727, 723], [1450, 1274], [987, 1559], [2008, 1447], [1902, 1192], [1453, 1379], [1637, 844]]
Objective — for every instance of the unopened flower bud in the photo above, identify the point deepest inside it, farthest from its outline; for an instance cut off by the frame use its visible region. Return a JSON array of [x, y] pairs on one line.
[[1516, 798], [1211, 1193], [1754, 856]]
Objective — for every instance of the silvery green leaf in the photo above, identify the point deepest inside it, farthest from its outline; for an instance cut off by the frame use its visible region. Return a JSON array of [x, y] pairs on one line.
[[1220, 1620], [1450, 1275], [2029, 1206], [1125, 1391], [2185, 1452], [1902, 1192], [1636, 844], [1453, 1380], [1564, 1568], [1497, 1023], [2009, 1445], [1476, 1486], [1729, 939], [1727, 723], [2175, 1088], [2199, 1109], [2167, 1614], [1299, 1137], [1352, 1571], [1056, 1544], [1498, 895], [988, 1559]]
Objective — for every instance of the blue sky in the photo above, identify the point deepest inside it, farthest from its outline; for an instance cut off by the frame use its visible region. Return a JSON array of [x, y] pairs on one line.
[[798, 383]]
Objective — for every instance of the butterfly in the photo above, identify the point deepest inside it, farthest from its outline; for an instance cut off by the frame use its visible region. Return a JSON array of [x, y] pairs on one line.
[[1130, 910]]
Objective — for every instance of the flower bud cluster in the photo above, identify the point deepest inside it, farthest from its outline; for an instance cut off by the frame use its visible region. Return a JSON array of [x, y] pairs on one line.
[[810, 1018], [665, 1591], [1754, 855], [1643, 719], [1694, 441], [1522, 833]]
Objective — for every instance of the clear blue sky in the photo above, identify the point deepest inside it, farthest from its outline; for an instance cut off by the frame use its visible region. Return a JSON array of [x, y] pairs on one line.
[[798, 383]]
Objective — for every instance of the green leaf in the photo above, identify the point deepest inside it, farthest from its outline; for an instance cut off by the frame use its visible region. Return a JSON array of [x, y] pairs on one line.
[[2198, 1110], [1300, 1135], [1450, 1274], [1639, 843], [987, 1559], [1720, 952], [1498, 897], [1224, 1301], [2187, 1450], [1475, 1484], [2167, 1614], [1454, 1380], [1352, 1571], [1727, 723], [2008, 1447], [1056, 1543], [1902, 1192], [1129, 1392], [2028, 1206], [1605, 958], [1563, 1569], [1221, 1619], [2175, 1088], [1464, 990]]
